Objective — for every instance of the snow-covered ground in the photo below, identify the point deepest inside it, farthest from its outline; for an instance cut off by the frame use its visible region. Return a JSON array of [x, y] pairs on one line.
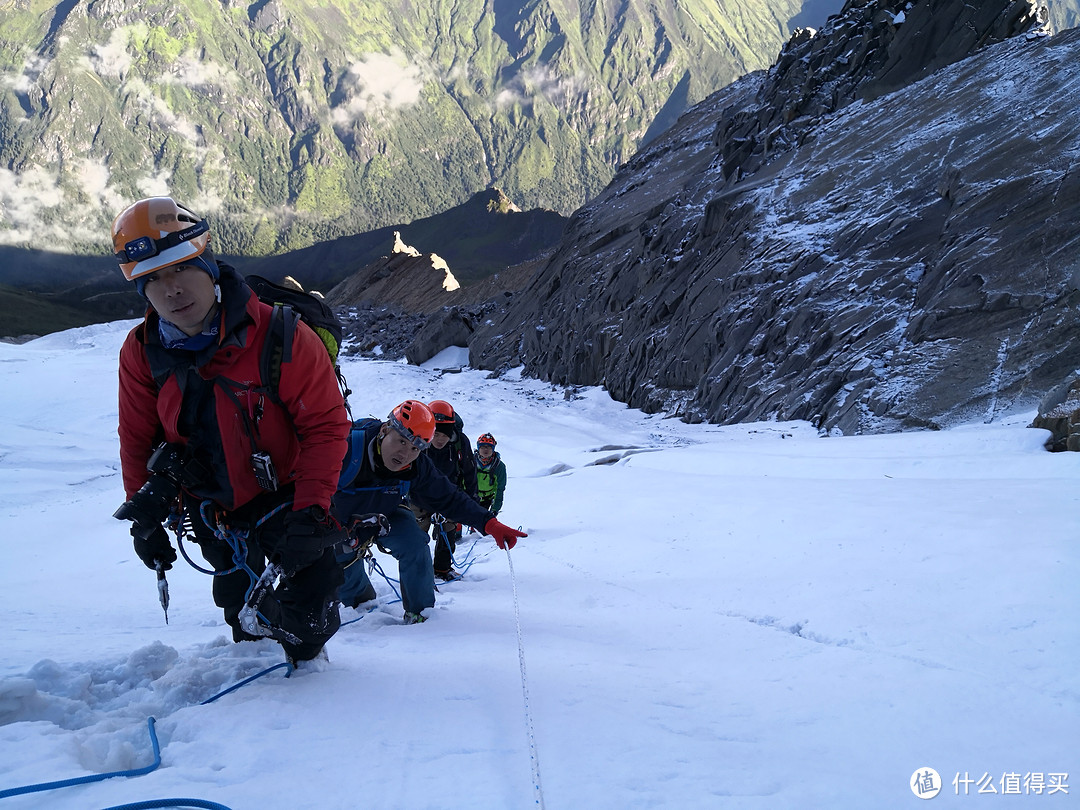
[[747, 616]]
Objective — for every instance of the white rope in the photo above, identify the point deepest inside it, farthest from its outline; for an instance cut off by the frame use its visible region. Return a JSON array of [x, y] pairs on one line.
[[538, 791]]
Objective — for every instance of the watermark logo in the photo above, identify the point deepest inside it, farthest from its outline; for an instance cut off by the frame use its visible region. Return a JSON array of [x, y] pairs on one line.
[[1012, 782], [925, 783]]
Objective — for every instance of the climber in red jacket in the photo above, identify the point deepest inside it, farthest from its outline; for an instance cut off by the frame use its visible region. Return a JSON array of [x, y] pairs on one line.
[[240, 459]]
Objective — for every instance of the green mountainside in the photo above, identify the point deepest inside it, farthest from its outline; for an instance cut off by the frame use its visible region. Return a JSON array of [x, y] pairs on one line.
[[292, 122]]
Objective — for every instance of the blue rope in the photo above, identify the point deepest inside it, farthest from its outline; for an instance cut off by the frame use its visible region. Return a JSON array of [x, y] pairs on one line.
[[246, 681], [85, 780], [362, 615], [193, 564], [153, 803], [468, 554], [374, 566], [437, 522], [237, 541], [467, 562]]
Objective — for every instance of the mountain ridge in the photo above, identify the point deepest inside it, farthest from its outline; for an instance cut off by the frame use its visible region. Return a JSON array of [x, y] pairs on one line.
[[895, 263]]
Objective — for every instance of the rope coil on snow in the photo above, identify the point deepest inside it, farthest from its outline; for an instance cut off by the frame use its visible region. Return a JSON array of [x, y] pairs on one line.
[[151, 804], [534, 758], [99, 777]]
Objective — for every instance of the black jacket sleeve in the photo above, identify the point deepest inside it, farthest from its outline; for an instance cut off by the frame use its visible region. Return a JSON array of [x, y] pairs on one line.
[[438, 493]]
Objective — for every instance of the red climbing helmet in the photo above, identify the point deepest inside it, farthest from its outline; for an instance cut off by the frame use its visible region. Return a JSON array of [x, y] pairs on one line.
[[487, 439], [413, 420], [442, 410]]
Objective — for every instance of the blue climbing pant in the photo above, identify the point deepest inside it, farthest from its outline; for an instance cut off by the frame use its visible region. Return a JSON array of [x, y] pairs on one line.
[[408, 544]]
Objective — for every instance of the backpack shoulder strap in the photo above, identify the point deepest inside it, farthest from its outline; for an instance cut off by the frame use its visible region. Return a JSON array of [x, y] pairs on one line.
[[277, 348], [355, 456]]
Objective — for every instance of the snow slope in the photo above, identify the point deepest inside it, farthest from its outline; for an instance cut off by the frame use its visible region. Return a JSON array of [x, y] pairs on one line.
[[748, 616]]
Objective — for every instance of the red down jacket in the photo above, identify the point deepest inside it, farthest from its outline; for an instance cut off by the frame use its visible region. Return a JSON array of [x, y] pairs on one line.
[[182, 396]]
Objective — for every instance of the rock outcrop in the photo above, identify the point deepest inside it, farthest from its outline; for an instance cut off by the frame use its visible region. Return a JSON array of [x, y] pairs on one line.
[[1059, 412], [413, 282], [409, 305], [879, 233]]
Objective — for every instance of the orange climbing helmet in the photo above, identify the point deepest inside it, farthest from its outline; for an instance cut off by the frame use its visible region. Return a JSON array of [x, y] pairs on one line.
[[159, 232], [442, 410], [413, 420]]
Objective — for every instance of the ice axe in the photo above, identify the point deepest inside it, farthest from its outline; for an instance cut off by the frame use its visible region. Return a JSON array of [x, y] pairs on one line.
[[162, 587]]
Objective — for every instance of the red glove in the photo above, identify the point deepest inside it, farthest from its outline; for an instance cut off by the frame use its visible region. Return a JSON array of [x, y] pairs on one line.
[[505, 537]]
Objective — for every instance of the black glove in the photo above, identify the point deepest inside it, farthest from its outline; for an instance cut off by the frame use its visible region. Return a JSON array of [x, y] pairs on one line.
[[308, 532], [153, 546], [364, 529]]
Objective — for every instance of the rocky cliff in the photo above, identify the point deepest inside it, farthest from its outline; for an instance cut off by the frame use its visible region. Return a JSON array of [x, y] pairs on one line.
[[877, 233]]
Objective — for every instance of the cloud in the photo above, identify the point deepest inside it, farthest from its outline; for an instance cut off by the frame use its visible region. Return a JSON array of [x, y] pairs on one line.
[[93, 176], [161, 113], [111, 60], [155, 184], [376, 83], [540, 82], [40, 207], [26, 80], [24, 199], [191, 71], [35, 206]]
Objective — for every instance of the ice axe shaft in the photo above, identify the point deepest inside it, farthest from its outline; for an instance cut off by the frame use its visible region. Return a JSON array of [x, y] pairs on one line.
[[162, 587]]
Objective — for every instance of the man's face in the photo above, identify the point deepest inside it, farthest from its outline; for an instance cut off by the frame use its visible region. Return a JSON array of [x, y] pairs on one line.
[[183, 295], [440, 440], [397, 452], [486, 451]]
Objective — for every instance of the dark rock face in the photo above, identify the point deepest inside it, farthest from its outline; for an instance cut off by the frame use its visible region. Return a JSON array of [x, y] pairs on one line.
[[451, 327], [807, 245], [412, 282], [399, 307], [869, 49], [375, 331]]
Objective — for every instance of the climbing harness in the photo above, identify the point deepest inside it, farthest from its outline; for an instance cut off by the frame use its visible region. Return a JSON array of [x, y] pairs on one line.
[[251, 620]]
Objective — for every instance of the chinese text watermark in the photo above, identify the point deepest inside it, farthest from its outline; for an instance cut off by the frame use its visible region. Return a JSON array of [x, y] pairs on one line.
[[926, 783]]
